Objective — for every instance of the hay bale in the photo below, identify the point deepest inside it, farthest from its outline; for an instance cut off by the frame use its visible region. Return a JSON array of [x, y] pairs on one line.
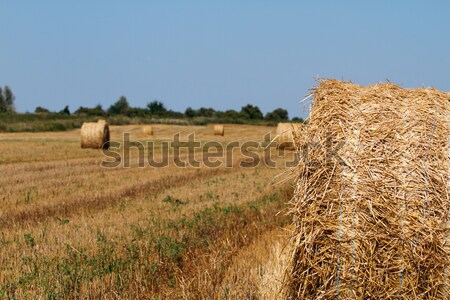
[[286, 133], [101, 122], [95, 135], [219, 130], [371, 205], [147, 130]]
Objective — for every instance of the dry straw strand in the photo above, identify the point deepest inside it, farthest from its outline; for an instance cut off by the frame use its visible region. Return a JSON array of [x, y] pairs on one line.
[[371, 206], [95, 135]]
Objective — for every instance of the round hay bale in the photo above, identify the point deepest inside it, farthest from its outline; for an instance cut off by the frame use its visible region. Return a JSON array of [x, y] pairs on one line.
[[95, 135], [219, 130], [370, 209], [147, 130], [285, 136]]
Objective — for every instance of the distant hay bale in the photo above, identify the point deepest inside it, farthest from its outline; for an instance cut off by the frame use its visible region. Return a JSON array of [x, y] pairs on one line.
[[371, 205], [101, 122], [286, 133], [95, 135], [219, 130], [147, 130]]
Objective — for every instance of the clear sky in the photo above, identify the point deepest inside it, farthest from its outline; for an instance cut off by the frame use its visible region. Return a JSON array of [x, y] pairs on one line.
[[220, 54]]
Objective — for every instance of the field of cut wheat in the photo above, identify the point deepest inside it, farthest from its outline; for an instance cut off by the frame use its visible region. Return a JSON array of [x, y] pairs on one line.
[[71, 228]]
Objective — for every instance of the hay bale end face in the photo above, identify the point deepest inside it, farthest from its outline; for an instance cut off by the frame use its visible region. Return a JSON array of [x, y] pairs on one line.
[[286, 133], [219, 130], [147, 130], [95, 135], [371, 205]]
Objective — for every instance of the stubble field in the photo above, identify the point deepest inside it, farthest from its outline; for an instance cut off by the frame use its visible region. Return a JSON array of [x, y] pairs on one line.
[[72, 229]]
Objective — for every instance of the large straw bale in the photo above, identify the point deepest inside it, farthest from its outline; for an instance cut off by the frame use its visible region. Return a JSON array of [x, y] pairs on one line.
[[219, 130], [371, 206], [95, 135], [286, 133]]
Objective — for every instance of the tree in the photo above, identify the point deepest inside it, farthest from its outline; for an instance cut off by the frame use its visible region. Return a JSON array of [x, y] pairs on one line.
[[190, 113], [229, 116], [206, 112], [173, 114], [41, 110], [251, 112], [120, 107], [6, 100], [9, 99], [277, 115], [96, 111], [2, 102], [65, 111], [156, 107], [297, 119]]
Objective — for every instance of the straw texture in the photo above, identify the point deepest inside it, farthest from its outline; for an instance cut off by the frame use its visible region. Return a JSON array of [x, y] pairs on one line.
[[95, 135], [219, 130], [371, 206]]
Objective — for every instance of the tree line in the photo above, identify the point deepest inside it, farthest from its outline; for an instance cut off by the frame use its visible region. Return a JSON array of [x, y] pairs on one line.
[[156, 109]]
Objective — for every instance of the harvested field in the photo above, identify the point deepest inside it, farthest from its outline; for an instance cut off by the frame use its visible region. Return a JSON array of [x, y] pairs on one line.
[[72, 229]]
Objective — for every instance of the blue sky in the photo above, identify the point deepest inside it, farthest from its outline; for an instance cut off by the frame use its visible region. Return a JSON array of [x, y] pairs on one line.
[[220, 54]]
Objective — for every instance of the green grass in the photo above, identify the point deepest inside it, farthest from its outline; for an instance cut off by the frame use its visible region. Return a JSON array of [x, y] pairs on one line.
[[39, 122]]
